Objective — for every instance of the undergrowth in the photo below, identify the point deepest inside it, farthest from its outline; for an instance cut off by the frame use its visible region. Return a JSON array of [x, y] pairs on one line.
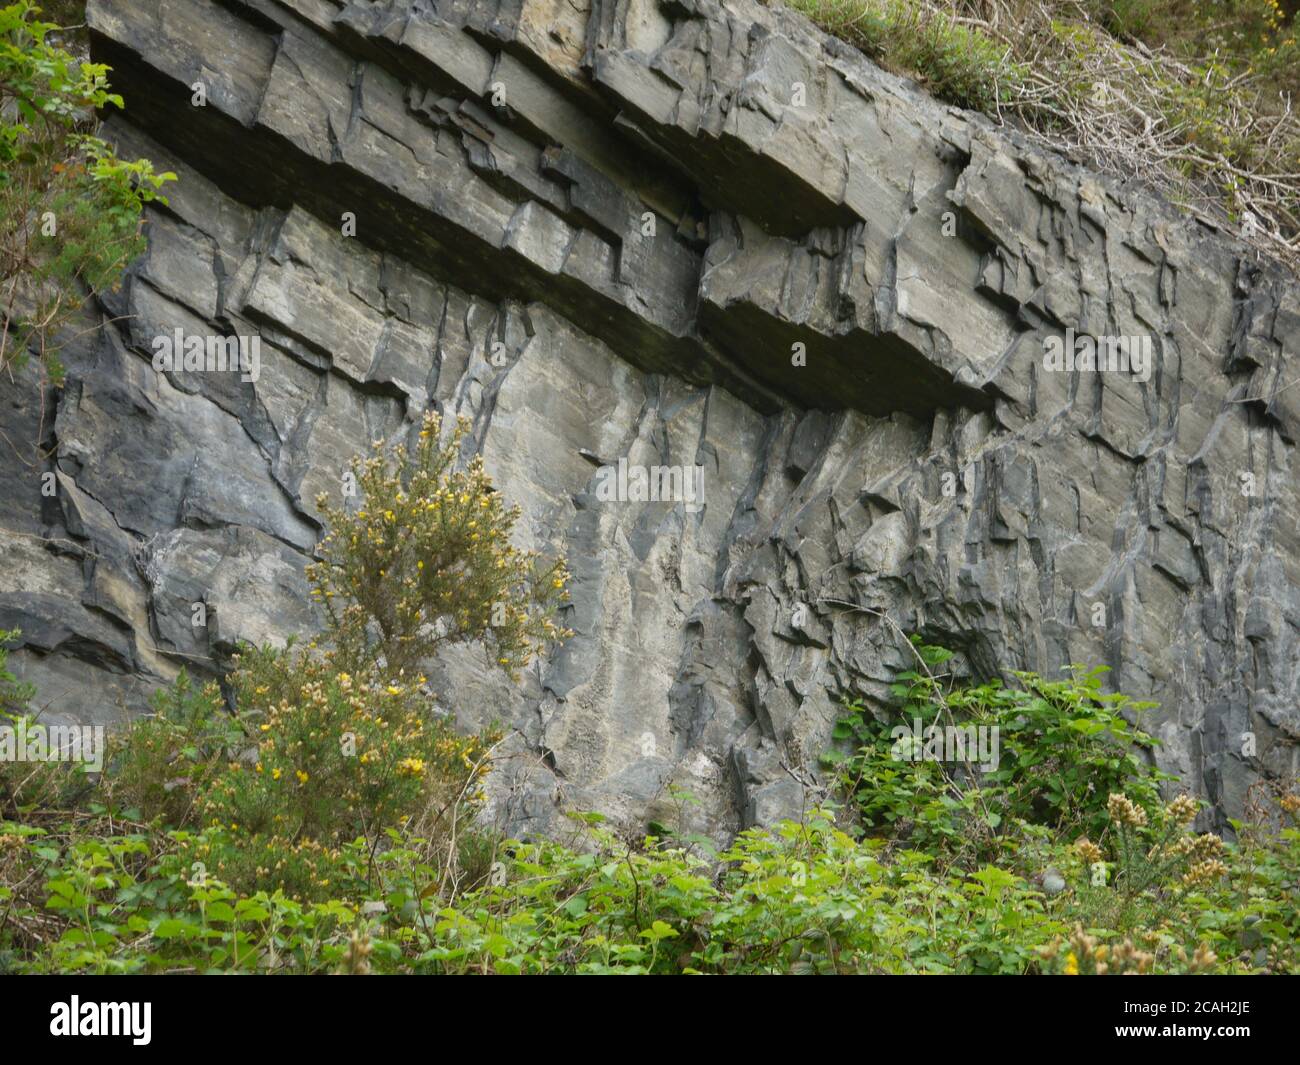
[[1065, 859]]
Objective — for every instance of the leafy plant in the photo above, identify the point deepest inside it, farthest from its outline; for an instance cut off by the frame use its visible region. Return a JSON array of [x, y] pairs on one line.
[[1064, 746], [160, 763], [70, 209]]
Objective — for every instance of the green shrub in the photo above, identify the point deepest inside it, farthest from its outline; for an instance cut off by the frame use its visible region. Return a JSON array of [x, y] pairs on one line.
[[338, 757], [1064, 747], [427, 561], [70, 209], [160, 763], [337, 742]]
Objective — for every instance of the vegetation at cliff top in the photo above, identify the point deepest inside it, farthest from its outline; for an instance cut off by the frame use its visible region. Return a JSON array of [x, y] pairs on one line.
[[1191, 97]]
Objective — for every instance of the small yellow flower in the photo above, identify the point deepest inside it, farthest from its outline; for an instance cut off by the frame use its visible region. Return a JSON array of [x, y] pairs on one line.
[[1071, 965], [1088, 851], [1124, 811], [302, 777], [1182, 810]]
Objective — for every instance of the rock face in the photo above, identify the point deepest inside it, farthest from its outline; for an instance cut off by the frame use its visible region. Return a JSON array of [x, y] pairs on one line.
[[682, 233]]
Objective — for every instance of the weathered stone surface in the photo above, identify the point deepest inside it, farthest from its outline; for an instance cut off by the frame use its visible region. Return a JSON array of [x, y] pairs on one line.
[[601, 230]]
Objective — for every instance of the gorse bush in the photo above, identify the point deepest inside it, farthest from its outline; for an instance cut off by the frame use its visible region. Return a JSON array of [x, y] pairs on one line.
[[338, 757], [313, 753], [314, 759], [339, 741], [1132, 911], [427, 561], [70, 209]]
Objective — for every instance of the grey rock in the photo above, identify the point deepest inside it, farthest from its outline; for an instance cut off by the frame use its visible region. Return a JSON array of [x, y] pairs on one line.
[[627, 199]]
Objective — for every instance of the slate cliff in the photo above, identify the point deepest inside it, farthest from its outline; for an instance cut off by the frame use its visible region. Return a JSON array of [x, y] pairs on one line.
[[680, 232]]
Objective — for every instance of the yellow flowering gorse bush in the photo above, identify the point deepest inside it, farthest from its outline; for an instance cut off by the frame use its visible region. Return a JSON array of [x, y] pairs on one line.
[[426, 560], [339, 756]]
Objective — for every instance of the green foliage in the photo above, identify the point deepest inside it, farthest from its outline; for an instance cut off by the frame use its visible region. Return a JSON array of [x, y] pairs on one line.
[[160, 763], [797, 898], [338, 757], [427, 561], [1063, 747], [69, 207], [1176, 902], [287, 853], [956, 63], [336, 746]]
